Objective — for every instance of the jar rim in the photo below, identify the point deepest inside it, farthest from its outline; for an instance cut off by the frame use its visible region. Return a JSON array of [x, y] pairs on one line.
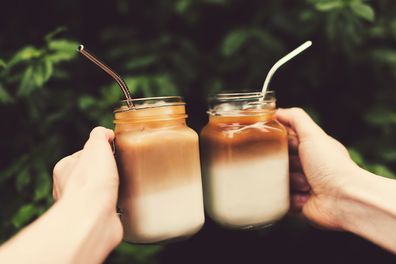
[[243, 96], [150, 102], [242, 104]]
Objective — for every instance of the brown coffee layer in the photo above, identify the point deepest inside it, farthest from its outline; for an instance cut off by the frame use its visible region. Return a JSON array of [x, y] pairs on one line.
[[156, 160], [235, 142]]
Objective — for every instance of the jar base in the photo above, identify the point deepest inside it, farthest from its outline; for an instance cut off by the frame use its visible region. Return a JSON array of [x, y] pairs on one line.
[[256, 227]]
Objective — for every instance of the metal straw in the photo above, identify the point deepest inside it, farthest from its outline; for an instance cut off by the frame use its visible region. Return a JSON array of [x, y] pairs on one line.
[[108, 70], [282, 61]]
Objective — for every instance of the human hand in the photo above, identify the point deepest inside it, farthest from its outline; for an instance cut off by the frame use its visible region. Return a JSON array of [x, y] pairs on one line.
[[319, 168], [89, 179], [82, 226]]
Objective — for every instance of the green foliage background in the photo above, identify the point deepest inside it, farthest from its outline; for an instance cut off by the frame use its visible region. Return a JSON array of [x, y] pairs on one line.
[[50, 98]]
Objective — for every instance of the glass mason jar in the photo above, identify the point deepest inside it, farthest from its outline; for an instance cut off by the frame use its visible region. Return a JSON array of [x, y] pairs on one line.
[[245, 161], [160, 195]]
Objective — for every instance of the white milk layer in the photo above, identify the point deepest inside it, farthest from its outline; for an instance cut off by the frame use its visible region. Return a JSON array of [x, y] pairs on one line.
[[250, 192], [168, 214]]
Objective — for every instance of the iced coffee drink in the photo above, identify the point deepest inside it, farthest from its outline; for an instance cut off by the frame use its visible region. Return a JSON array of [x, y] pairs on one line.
[[245, 161], [157, 156]]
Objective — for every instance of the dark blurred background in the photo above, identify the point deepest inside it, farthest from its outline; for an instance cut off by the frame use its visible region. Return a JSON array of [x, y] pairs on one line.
[[50, 98]]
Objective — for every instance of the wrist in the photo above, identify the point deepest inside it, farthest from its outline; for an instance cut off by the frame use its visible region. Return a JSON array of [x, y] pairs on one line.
[[366, 208], [69, 232], [97, 202], [326, 204], [96, 226], [348, 195]]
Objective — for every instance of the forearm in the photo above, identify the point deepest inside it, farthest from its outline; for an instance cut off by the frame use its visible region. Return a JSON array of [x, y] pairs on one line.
[[367, 207], [69, 232]]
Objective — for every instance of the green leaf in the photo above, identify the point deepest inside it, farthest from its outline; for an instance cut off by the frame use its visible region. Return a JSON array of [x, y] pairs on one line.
[[52, 34], [392, 28], [112, 94], [14, 168], [24, 214], [22, 179], [388, 154], [378, 31], [106, 120], [86, 102], [363, 10], [233, 42], [381, 116], [216, 2], [59, 57], [25, 54], [38, 77], [2, 64], [144, 85], [329, 5], [132, 83], [387, 56], [307, 15], [35, 76], [138, 252], [382, 170], [139, 83], [42, 71], [43, 186], [356, 156], [62, 50], [48, 69], [165, 86], [63, 45], [181, 6], [5, 97], [141, 62], [26, 84], [215, 86], [266, 39]]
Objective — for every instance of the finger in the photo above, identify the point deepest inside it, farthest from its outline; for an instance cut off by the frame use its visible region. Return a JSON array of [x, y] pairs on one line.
[[300, 122], [101, 132], [97, 154], [292, 141], [298, 200], [98, 136], [290, 131], [295, 163], [298, 182], [55, 195], [75, 155]]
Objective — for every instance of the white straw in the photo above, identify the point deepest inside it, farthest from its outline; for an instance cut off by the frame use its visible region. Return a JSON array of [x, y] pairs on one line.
[[282, 61]]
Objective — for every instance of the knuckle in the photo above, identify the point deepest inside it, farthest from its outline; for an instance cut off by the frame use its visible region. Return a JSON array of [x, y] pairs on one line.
[[98, 130], [297, 111], [54, 194], [57, 169]]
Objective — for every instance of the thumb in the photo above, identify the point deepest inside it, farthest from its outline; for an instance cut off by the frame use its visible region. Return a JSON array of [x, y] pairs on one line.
[[97, 150], [300, 122], [97, 157], [98, 138]]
